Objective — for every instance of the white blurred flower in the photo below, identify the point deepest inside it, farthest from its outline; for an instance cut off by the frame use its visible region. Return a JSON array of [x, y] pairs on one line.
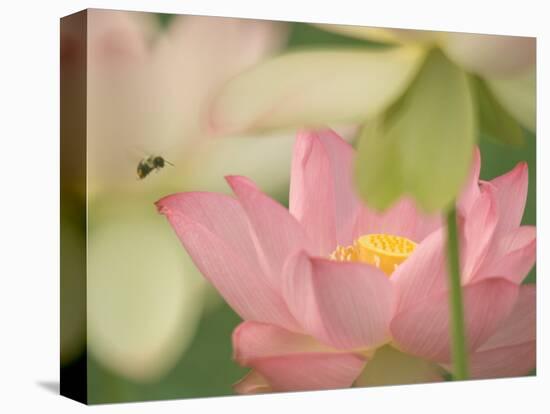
[[312, 87], [144, 296], [147, 90], [147, 93]]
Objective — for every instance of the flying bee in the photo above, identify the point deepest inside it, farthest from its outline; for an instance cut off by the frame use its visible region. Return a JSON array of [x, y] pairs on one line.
[[152, 162]]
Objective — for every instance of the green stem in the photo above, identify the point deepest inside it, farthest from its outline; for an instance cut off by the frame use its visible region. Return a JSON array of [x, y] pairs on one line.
[[460, 357]]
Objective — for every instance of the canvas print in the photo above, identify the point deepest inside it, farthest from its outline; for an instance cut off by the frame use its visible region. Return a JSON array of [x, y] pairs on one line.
[[253, 206]]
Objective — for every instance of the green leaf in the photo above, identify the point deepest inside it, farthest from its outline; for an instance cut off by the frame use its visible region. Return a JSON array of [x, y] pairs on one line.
[[422, 145], [494, 121]]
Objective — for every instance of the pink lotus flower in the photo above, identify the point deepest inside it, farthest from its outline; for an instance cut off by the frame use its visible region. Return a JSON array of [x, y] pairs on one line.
[[333, 294]]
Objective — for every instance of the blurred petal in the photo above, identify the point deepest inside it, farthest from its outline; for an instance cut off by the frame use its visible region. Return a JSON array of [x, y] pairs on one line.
[[420, 147], [118, 40], [402, 219], [321, 191], [224, 261], [276, 232], [144, 297], [518, 95], [511, 351], [312, 88], [423, 274], [200, 53], [511, 256], [491, 55], [423, 330], [511, 194], [121, 95], [213, 159], [252, 383], [391, 367], [346, 305], [238, 42]]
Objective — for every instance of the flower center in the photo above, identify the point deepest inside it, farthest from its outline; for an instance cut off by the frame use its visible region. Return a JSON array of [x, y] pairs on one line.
[[385, 251]]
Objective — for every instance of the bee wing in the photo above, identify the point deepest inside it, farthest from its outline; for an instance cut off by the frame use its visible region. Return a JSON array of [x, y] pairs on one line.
[[138, 152]]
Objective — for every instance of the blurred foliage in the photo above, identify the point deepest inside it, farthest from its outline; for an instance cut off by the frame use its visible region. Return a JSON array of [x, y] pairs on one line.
[[307, 35], [165, 19], [207, 368], [73, 276], [495, 122]]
